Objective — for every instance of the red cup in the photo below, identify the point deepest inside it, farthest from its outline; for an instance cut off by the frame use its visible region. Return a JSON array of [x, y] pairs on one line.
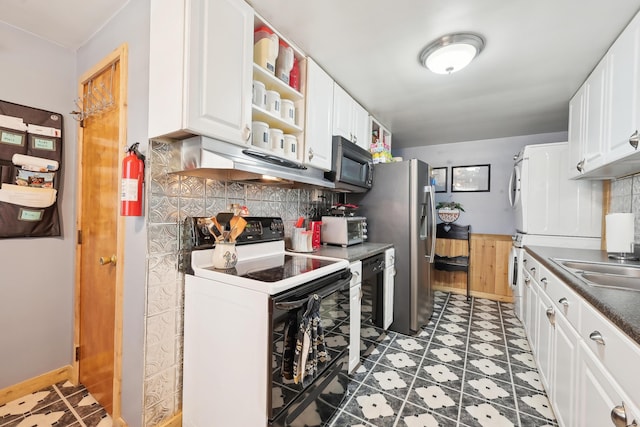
[[315, 234]]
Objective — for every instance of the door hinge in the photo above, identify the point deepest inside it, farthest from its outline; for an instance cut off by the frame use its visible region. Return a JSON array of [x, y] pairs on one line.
[[77, 353], [79, 237]]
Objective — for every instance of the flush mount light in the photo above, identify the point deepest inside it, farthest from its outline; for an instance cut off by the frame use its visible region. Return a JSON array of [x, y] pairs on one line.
[[451, 53]]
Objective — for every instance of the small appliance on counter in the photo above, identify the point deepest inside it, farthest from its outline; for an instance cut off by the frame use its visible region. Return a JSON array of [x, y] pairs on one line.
[[344, 230]]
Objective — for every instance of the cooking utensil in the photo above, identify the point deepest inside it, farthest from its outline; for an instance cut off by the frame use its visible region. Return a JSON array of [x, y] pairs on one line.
[[239, 224], [218, 227], [224, 218]]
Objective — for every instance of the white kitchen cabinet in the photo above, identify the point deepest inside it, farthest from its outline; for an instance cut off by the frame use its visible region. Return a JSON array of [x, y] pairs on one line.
[[577, 113], [200, 69], [598, 394], [562, 388], [604, 115], [350, 119], [624, 93], [355, 304], [318, 123], [587, 123], [544, 351]]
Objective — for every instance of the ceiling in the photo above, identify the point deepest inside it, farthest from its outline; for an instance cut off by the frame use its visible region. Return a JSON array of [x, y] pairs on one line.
[[536, 56]]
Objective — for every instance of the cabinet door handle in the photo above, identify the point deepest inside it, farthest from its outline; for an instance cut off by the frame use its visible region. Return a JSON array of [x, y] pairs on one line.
[[247, 133], [619, 417], [527, 280], [564, 301], [597, 337], [580, 166], [533, 270], [633, 140], [310, 153], [551, 315], [544, 282], [104, 260]]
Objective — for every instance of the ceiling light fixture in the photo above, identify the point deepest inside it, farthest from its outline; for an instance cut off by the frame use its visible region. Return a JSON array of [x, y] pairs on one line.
[[451, 52]]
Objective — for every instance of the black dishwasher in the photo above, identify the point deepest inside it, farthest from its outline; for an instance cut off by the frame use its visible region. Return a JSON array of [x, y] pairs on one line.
[[372, 289]]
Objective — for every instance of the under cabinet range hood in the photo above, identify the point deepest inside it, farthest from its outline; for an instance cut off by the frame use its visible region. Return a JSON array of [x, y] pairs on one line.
[[210, 158]]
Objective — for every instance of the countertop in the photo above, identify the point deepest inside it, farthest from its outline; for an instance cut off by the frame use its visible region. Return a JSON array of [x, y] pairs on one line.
[[353, 253], [621, 307]]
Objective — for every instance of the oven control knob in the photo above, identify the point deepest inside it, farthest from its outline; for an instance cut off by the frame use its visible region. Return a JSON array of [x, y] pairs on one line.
[[364, 237]]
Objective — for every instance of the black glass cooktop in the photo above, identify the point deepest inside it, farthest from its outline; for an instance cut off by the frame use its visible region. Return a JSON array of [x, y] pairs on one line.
[[292, 266], [275, 268]]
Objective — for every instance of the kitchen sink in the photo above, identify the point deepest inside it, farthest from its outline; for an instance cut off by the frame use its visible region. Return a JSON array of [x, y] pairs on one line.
[[608, 275]]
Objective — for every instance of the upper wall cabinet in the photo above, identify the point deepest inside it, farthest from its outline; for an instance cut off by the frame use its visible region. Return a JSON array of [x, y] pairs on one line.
[[350, 119], [201, 69], [318, 130], [604, 115]]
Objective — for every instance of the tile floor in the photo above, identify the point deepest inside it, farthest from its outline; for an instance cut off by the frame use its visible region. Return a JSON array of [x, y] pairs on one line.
[[470, 366], [59, 405]]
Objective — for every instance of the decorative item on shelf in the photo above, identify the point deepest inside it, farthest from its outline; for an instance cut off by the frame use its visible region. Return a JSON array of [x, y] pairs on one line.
[[449, 212]]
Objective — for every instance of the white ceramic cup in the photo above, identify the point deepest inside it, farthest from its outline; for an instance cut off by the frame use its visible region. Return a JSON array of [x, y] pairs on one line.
[[259, 94], [291, 146], [273, 102], [260, 135], [276, 138], [288, 112]]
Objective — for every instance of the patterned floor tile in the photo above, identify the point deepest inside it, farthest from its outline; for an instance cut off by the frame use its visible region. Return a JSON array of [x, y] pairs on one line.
[[434, 397], [373, 406]]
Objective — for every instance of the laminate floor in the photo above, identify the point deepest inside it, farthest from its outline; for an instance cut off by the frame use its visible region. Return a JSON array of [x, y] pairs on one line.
[[470, 366]]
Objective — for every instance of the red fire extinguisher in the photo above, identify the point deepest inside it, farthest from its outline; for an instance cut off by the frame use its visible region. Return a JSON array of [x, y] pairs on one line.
[[132, 178]]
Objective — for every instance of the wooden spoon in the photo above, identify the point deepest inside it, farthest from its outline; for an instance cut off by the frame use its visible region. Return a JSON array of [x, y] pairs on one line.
[[238, 228]]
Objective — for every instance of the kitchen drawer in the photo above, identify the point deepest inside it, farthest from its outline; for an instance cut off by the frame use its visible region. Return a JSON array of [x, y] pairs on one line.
[[531, 265], [617, 352], [567, 302]]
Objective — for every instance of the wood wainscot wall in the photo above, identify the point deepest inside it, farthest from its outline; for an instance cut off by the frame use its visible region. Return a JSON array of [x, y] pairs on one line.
[[489, 267]]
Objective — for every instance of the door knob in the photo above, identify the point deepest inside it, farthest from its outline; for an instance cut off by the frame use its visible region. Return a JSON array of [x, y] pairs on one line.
[[108, 260], [619, 417]]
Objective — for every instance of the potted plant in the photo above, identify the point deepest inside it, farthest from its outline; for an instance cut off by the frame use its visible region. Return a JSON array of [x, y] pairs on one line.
[[449, 211]]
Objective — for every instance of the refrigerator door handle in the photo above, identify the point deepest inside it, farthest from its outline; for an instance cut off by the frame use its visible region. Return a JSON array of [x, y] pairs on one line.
[[432, 207]]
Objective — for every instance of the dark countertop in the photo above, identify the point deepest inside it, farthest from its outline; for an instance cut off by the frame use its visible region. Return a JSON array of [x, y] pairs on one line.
[[621, 307], [353, 253]]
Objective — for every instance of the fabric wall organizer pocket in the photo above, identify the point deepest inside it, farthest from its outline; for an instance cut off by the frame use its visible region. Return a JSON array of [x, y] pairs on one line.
[[44, 142], [30, 161], [13, 136]]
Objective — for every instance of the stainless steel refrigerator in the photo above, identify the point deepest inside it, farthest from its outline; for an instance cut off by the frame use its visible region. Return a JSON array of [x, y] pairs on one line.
[[400, 210]]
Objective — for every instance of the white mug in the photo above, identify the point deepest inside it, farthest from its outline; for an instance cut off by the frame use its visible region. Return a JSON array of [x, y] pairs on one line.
[[291, 146], [273, 102], [260, 134], [259, 94], [277, 140], [288, 111]]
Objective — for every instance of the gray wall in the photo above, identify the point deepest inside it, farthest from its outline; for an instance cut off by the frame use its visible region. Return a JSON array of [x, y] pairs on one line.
[[487, 212], [625, 198], [131, 26], [37, 274]]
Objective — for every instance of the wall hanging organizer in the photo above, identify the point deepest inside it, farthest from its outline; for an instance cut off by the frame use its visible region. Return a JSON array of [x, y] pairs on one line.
[[30, 168]]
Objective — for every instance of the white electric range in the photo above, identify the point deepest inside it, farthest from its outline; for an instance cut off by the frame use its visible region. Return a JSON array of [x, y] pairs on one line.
[[238, 327]]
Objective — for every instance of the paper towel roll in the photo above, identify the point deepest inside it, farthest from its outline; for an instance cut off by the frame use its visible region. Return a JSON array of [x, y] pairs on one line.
[[620, 232]]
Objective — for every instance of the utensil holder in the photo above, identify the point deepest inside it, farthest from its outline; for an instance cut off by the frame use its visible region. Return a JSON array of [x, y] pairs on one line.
[[225, 255]]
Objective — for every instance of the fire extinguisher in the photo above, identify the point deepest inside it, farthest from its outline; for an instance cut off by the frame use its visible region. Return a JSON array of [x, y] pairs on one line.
[[132, 178]]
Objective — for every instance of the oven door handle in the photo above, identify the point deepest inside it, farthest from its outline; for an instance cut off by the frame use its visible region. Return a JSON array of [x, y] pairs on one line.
[[290, 305]]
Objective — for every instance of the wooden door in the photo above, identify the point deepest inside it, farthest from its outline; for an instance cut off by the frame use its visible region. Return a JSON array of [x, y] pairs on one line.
[[100, 231]]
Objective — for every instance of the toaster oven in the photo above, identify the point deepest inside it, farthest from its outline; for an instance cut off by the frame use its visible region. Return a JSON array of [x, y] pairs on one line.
[[343, 230]]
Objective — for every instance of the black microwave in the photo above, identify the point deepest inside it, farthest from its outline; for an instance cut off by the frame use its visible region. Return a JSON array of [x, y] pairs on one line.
[[351, 167]]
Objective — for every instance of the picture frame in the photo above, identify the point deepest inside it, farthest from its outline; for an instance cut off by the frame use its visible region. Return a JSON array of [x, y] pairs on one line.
[[471, 178], [439, 176]]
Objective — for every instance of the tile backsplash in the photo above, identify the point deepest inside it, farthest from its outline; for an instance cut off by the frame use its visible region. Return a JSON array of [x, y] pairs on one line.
[[625, 198], [171, 198]]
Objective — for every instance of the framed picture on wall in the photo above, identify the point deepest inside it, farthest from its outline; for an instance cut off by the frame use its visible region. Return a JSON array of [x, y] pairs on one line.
[[470, 178], [440, 177]]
